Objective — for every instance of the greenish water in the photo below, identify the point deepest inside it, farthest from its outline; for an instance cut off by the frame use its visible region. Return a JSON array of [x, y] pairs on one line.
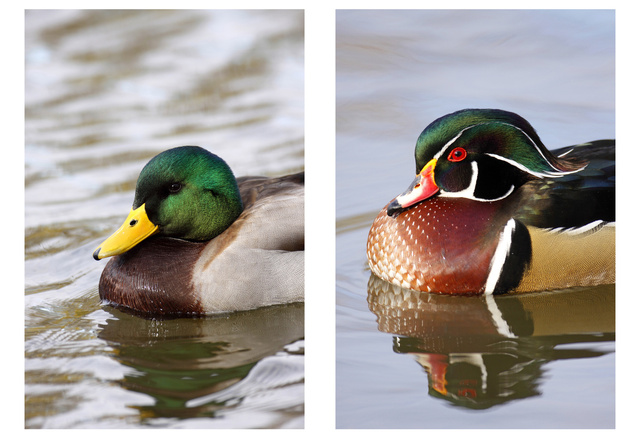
[[105, 92]]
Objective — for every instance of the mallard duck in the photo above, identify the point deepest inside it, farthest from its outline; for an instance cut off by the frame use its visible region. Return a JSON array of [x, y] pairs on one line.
[[198, 241], [492, 211]]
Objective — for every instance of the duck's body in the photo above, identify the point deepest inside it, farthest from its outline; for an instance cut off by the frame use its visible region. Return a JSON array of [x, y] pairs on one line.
[[492, 211], [256, 260]]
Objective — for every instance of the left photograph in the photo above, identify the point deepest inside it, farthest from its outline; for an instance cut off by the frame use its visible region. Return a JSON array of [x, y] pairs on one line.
[[164, 219]]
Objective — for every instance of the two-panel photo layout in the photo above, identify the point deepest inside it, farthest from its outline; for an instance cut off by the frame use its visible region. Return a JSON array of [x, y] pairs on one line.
[[471, 278]]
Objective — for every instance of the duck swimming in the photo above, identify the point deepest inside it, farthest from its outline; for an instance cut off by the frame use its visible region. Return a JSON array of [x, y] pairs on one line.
[[198, 241], [492, 211]]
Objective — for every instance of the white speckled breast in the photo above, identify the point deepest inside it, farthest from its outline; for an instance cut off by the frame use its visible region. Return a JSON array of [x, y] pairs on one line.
[[440, 245]]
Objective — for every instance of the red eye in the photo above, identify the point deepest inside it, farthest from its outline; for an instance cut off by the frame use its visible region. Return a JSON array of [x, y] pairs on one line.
[[457, 154]]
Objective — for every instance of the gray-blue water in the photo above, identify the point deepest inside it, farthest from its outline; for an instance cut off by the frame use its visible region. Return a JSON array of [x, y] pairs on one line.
[[411, 361]]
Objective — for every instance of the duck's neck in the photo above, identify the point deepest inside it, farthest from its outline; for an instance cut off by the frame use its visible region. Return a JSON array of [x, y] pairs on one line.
[[201, 215], [224, 210]]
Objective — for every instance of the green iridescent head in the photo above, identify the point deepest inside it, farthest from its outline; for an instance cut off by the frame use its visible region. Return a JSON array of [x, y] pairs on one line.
[[188, 193], [479, 154], [444, 129], [482, 133]]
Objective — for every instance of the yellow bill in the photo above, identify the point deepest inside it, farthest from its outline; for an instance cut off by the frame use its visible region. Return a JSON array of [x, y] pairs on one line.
[[135, 228]]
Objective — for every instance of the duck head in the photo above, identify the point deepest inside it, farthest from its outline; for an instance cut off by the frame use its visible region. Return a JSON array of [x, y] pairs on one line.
[[478, 154], [185, 192]]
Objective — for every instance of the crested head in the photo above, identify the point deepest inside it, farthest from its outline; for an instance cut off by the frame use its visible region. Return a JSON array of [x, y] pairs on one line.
[[447, 127], [188, 193], [493, 131], [479, 154], [478, 145]]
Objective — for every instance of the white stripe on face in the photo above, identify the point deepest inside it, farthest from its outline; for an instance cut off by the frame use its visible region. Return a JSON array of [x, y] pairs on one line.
[[557, 173], [455, 138], [467, 192], [529, 171]]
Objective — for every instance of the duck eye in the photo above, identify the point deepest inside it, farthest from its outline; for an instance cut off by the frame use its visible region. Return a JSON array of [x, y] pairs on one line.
[[457, 154], [174, 188]]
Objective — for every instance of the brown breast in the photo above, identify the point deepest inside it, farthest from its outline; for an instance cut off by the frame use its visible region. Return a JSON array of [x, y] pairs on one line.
[[441, 245], [151, 277]]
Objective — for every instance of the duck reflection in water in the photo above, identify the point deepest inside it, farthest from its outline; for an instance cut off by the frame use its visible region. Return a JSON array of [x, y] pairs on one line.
[[479, 352], [205, 367]]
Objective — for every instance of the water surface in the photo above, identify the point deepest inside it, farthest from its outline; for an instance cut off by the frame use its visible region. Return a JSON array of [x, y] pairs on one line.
[[406, 360], [105, 92]]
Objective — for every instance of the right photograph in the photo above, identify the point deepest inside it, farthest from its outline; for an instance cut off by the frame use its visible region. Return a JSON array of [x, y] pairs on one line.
[[475, 230]]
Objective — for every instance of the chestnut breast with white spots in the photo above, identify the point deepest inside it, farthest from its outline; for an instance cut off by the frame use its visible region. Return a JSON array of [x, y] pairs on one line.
[[441, 245]]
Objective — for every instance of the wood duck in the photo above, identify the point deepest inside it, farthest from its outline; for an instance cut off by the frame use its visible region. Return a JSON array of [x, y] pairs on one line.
[[492, 211]]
